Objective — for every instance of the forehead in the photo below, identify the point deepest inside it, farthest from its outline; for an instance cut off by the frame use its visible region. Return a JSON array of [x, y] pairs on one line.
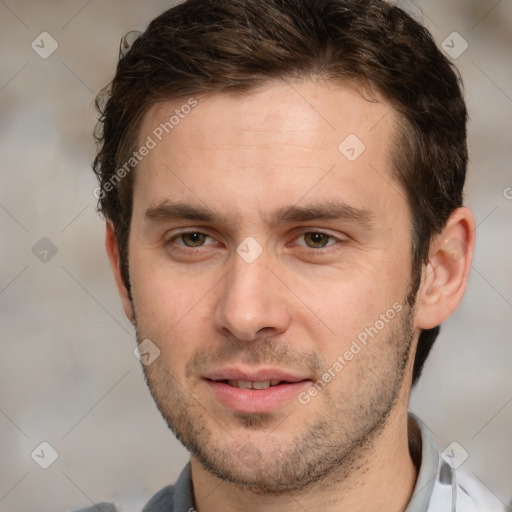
[[313, 138], [303, 112]]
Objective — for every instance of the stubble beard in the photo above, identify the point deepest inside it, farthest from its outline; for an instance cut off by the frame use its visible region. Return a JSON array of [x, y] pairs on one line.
[[328, 448]]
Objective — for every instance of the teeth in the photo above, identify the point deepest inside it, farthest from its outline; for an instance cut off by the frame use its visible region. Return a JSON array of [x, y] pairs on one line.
[[244, 384], [261, 385]]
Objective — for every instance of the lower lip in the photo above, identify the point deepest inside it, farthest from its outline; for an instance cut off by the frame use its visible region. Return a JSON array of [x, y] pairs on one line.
[[255, 401]]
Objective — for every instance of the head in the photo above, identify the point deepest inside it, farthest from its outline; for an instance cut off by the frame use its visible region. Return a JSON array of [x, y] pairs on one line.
[[260, 119]]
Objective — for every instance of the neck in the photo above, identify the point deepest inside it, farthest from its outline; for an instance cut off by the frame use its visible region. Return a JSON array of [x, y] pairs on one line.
[[387, 465]]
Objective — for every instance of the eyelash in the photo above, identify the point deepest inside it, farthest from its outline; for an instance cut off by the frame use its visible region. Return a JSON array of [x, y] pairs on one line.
[[185, 248]]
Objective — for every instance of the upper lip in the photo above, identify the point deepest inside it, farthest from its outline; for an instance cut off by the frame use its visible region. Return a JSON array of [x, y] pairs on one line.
[[260, 375]]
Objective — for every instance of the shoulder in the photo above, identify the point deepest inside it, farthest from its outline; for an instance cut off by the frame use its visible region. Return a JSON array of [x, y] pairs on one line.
[[162, 501], [99, 507], [473, 495]]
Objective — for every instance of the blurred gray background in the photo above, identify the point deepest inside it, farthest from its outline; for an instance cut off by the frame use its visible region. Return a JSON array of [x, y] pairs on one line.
[[68, 376]]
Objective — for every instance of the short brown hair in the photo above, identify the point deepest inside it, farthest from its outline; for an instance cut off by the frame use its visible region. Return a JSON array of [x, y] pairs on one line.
[[200, 48]]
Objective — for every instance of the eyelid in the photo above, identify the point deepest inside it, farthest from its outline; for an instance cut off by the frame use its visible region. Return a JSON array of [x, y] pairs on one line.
[[299, 233], [175, 236], [321, 232]]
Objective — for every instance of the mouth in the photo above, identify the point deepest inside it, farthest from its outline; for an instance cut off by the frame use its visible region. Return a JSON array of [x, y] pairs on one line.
[[246, 384], [255, 392]]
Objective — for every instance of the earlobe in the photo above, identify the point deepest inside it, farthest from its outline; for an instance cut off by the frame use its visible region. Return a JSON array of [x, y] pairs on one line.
[[112, 248], [446, 275]]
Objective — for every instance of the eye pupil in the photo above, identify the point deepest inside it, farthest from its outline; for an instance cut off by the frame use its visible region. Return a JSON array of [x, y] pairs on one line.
[[317, 239], [195, 238], [313, 239]]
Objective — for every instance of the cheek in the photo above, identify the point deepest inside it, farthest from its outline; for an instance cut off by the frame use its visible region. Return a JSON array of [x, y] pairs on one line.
[[172, 309], [346, 307], [345, 313]]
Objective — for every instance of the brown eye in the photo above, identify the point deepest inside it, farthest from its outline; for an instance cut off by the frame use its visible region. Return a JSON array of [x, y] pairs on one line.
[[316, 240], [193, 239]]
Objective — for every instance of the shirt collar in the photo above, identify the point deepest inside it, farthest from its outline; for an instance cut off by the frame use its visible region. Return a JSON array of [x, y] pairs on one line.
[[425, 454], [433, 485]]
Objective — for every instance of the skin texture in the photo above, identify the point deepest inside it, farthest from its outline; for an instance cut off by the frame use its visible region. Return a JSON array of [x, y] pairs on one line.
[[297, 307]]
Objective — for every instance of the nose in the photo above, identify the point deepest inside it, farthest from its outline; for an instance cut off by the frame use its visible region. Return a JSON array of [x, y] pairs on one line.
[[252, 301]]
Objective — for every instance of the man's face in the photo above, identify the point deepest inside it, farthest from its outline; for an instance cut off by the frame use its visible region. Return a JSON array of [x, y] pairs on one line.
[[267, 290]]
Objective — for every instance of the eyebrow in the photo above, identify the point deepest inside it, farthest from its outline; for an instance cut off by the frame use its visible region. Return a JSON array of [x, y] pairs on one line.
[[332, 209]]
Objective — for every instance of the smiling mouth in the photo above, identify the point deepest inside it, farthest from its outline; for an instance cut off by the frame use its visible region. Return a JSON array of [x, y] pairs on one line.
[[254, 396], [256, 385], [245, 384]]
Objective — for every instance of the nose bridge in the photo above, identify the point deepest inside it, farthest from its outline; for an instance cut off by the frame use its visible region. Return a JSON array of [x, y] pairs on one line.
[[251, 298]]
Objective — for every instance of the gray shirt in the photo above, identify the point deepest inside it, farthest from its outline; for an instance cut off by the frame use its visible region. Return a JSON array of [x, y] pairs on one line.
[[439, 486]]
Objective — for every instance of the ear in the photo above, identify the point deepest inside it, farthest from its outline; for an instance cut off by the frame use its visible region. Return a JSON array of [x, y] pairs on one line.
[[446, 276], [113, 255]]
